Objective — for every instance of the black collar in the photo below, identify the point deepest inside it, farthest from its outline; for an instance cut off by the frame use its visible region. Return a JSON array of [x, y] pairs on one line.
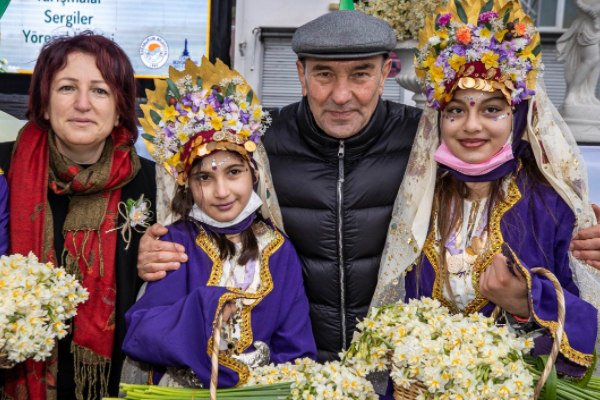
[[327, 146]]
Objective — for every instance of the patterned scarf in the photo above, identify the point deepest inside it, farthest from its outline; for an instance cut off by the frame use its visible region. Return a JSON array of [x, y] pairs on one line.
[[89, 251]]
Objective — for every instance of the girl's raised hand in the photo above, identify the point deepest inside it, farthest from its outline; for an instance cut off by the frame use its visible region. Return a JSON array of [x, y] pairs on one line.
[[498, 284]]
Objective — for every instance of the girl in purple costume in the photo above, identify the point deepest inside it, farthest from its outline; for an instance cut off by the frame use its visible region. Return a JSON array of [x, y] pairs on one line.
[[241, 269], [240, 266], [495, 187]]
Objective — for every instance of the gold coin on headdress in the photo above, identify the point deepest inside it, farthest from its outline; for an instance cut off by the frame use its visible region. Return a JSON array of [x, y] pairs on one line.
[[239, 139], [211, 146], [231, 147], [488, 86], [479, 84], [470, 71], [250, 146], [504, 77], [508, 83], [467, 83], [491, 74], [220, 135]]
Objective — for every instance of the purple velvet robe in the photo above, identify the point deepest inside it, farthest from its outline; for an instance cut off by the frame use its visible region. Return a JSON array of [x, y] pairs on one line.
[[173, 321], [538, 228], [3, 215]]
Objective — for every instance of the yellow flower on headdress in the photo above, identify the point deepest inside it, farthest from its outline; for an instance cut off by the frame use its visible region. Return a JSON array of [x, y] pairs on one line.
[[217, 123], [245, 134], [443, 34], [436, 73], [457, 61], [490, 59], [500, 35], [169, 114], [427, 63], [210, 112], [526, 54], [485, 33]]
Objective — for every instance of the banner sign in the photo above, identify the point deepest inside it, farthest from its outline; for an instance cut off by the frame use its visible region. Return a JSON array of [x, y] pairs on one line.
[[155, 34]]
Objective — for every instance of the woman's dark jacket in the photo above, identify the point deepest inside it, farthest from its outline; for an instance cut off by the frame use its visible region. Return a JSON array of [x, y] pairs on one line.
[[128, 282], [336, 197]]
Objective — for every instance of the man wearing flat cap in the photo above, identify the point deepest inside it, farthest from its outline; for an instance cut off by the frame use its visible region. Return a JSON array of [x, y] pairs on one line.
[[337, 159]]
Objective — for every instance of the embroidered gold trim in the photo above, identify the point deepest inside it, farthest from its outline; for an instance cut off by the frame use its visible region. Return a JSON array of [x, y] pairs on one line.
[[577, 357], [1, 172], [496, 241], [246, 336]]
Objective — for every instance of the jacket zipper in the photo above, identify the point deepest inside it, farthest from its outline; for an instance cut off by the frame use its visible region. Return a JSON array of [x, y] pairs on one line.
[[340, 193]]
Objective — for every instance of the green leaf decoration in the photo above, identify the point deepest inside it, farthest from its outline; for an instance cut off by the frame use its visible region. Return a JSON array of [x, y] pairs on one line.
[[173, 88], [199, 82], [220, 98], [417, 53], [155, 117], [487, 7], [516, 21], [437, 18], [461, 12], [250, 97], [551, 382], [537, 50], [147, 137], [160, 107], [230, 90], [506, 17]]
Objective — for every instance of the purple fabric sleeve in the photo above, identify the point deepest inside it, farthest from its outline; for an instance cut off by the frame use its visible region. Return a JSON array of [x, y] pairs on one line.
[[171, 324], [3, 215]]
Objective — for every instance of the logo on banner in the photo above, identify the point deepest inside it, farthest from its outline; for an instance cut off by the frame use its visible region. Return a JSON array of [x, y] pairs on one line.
[[154, 52]]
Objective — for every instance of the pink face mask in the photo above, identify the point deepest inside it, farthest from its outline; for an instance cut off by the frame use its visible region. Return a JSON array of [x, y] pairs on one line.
[[443, 155]]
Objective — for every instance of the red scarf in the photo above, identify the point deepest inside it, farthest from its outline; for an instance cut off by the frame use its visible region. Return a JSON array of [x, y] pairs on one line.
[[90, 243]]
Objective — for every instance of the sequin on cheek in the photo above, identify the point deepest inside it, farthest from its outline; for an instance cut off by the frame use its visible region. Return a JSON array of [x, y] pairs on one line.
[[448, 118]]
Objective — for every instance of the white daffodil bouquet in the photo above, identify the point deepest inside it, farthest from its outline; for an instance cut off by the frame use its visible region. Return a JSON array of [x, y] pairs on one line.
[[36, 301], [450, 356], [313, 381]]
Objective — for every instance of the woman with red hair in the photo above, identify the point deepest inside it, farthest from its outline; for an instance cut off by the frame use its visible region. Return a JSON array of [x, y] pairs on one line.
[[74, 176]]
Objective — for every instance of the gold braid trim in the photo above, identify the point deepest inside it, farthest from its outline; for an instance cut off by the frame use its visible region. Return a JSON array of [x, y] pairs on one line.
[[1, 172], [430, 250], [573, 355], [246, 337]]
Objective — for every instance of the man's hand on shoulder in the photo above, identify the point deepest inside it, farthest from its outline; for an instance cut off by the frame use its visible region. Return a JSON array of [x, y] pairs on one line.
[[586, 245], [156, 257]]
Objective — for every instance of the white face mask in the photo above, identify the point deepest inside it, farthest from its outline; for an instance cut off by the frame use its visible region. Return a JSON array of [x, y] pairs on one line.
[[253, 204]]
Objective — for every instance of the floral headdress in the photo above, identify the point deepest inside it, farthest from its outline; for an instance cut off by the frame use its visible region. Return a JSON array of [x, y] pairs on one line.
[[200, 110], [482, 45]]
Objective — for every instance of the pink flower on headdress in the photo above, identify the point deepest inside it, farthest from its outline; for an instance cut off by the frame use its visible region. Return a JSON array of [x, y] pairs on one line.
[[444, 19], [486, 16]]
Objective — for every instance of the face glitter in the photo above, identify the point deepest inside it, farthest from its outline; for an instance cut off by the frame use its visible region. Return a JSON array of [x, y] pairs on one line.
[[472, 100], [214, 164], [503, 116], [448, 118]]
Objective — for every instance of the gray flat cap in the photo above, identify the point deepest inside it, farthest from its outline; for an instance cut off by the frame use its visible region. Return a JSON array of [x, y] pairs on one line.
[[342, 35]]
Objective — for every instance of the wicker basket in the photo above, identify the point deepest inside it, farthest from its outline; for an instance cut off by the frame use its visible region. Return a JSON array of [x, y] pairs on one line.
[[417, 388], [5, 363], [411, 393]]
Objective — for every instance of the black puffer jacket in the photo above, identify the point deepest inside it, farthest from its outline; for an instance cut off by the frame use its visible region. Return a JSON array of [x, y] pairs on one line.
[[336, 198]]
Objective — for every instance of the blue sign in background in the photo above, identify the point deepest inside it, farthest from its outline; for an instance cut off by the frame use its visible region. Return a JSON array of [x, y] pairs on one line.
[[134, 24]]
